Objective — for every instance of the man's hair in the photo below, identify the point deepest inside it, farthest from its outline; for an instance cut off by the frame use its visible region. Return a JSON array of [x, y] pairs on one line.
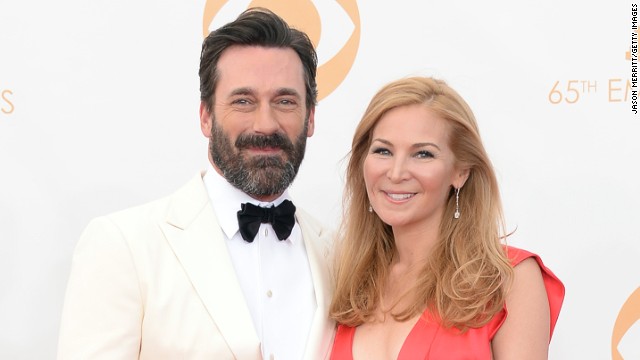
[[256, 27]]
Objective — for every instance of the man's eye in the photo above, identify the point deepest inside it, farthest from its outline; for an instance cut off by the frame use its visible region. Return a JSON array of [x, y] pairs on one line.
[[286, 102]]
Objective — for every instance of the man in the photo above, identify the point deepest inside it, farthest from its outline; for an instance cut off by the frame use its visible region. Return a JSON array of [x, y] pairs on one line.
[[179, 278]]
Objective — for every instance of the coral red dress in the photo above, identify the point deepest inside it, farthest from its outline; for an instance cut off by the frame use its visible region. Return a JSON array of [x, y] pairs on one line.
[[428, 340]]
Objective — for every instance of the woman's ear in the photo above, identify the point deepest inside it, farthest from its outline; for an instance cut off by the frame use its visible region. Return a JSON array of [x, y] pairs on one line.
[[460, 177]]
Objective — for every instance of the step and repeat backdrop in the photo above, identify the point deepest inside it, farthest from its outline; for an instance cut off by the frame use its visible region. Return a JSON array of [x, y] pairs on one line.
[[99, 111]]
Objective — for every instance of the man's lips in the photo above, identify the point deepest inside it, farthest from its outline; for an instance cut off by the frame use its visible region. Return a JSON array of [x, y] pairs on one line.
[[263, 150]]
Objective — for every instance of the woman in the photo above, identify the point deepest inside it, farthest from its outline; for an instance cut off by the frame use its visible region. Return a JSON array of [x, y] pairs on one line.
[[421, 270]]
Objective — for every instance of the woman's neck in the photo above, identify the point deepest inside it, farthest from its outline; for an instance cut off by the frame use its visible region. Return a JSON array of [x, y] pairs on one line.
[[413, 246]]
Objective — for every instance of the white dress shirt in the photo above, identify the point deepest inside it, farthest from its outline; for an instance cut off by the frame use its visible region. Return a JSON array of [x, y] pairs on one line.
[[274, 275]]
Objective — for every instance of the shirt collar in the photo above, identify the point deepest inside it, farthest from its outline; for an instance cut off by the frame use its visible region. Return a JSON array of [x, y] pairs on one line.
[[226, 199]]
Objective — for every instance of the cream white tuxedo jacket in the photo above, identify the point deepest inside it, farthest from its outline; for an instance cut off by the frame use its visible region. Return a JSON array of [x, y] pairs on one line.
[[156, 282]]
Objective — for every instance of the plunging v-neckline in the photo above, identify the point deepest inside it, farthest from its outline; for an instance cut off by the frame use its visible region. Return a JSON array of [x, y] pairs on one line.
[[413, 346]]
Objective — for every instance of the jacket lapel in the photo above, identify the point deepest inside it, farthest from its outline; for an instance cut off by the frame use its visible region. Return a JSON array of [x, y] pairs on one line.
[[317, 243], [193, 233]]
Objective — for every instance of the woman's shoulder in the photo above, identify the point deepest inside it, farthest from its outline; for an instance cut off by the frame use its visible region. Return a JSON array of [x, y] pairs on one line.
[[517, 255], [552, 283], [532, 264]]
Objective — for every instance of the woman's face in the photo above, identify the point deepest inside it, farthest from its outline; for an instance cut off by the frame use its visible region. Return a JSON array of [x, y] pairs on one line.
[[409, 168]]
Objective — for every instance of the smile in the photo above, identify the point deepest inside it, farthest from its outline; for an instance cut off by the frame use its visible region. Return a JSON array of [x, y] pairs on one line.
[[400, 197]]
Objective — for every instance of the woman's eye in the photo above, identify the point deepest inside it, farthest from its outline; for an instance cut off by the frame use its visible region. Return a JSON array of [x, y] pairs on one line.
[[381, 151], [424, 154]]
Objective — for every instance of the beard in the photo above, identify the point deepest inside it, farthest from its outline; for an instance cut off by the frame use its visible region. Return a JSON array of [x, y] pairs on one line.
[[260, 175]]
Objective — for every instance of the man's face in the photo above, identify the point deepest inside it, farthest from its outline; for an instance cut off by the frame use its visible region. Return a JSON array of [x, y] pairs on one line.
[[257, 128]]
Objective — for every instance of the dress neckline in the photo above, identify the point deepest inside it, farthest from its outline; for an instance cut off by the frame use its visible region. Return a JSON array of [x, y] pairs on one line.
[[413, 346]]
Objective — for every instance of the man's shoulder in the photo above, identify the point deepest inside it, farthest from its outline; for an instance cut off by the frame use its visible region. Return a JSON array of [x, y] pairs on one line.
[[190, 196], [153, 209], [309, 222]]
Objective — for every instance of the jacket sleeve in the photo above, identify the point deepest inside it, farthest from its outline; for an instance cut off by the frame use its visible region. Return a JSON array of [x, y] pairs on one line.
[[103, 308]]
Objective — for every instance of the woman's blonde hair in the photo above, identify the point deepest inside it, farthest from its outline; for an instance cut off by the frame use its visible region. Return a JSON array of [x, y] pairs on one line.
[[463, 283]]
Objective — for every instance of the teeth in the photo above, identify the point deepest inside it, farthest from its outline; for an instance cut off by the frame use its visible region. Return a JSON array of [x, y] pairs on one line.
[[400, 196]]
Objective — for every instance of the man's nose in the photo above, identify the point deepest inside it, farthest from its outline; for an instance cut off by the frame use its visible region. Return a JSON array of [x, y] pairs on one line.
[[265, 121]]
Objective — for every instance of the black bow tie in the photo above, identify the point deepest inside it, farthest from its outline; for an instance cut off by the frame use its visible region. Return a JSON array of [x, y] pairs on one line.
[[280, 217]]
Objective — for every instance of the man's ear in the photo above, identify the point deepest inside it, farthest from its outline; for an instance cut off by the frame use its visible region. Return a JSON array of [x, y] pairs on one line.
[[311, 121], [206, 120]]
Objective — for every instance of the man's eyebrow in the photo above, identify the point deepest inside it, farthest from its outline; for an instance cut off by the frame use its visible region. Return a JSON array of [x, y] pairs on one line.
[[288, 91], [241, 91], [279, 92]]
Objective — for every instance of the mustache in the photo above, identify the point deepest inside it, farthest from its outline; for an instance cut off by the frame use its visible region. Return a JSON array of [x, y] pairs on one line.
[[276, 140]]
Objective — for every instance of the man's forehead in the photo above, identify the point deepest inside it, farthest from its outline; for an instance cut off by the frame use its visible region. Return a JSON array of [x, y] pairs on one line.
[[256, 70], [257, 57]]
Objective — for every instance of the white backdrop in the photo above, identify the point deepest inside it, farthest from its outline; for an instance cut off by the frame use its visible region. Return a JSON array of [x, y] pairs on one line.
[[99, 111]]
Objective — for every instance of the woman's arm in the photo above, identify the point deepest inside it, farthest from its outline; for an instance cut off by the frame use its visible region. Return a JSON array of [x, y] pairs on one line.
[[525, 332]]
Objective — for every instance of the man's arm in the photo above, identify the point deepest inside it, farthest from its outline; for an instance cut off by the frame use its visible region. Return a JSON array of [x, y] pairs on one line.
[[102, 313]]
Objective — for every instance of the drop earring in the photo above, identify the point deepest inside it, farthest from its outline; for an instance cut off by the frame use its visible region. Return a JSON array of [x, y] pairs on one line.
[[370, 208], [456, 215]]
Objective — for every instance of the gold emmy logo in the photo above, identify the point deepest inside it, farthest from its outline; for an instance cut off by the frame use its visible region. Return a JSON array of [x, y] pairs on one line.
[[629, 314], [303, 15]]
